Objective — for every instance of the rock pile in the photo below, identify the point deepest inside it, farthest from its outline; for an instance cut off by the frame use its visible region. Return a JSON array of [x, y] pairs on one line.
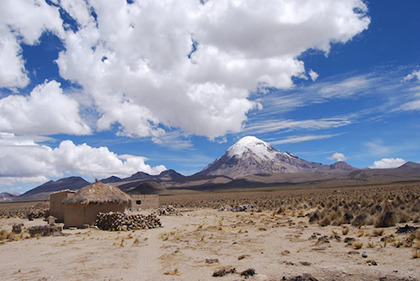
[[17, 228], [37, 213], [167, 211], [45, 230], [115, 221], [243, 208]]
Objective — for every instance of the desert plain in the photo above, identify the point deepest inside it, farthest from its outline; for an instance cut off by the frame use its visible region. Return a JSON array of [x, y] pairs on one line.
[[311, 234]]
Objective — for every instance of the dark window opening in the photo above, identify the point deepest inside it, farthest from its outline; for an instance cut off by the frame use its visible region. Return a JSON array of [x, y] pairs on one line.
[[138, 202]]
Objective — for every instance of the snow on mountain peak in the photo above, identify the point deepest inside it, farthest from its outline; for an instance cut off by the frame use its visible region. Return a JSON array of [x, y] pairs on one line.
[[254, 145]]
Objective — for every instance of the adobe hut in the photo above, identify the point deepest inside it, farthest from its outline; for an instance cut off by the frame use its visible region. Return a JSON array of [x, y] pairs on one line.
[[82, 208], [145, 195], [56, 207], [144, 201]]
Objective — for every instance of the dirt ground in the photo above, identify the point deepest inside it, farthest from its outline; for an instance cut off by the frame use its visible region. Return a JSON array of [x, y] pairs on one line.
[[276, 246]]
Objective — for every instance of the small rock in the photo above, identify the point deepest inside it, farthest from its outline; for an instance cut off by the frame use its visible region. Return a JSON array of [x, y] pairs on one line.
[[285, 253], [305, 263], [211, 261], [364, 255], [374, 263], [241, 257], [322, 240], [248, 272], [223, 271], [353, 253], [304, 277], [349, 240], [406, 228]]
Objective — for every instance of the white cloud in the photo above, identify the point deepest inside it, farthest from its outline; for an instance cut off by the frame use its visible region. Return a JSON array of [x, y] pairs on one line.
[[313, 75], [415, 75], [302, 139], [45, 111], [387, 163], [14, 74], [267, 126], [338, 157], [143, 84], [409, 106], [377, 148], [24, 160], [22, 21]]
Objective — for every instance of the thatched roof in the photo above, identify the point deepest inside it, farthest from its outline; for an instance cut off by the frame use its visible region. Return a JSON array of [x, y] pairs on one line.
[[98, 193]]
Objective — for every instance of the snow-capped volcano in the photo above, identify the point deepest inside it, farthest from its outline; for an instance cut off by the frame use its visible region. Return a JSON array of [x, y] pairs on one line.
[[252, 146], [251, 155]]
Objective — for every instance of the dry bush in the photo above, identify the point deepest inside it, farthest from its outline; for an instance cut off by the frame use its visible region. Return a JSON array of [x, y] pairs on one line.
[[377, 232], [387, 217], [357, 245]]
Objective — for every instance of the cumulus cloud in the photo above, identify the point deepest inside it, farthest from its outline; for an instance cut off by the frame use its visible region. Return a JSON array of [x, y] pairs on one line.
[[415, 75], [387, 163], [338, 157], [24, 160], [45, 111], [199, 63], [23, 21]]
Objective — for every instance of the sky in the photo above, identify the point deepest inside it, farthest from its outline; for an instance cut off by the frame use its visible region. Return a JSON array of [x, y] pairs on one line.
[[99, 88]]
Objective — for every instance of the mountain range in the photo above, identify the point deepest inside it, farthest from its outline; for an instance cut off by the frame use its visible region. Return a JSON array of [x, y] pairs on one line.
[[250, 162]]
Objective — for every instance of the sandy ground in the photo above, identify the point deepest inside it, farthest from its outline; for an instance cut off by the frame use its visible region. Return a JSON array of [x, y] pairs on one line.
[[276, 246]]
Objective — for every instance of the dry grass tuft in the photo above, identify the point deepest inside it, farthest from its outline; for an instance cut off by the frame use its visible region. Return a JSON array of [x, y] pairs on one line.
[[357, 245], [377, 232], [172, 272], [387, 218]]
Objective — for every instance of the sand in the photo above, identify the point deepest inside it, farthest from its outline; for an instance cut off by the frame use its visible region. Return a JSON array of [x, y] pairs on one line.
[[275, 246]]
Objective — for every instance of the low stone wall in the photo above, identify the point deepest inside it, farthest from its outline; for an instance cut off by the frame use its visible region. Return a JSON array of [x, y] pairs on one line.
[[116, 221]]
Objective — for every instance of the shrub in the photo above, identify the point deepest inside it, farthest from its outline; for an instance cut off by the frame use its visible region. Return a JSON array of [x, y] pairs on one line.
[[386, 218], [360, 220], [357, 245], [377, 232]]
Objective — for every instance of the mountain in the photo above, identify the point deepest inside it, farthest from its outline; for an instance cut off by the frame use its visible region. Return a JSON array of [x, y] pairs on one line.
[[142, 187], [166, 175], [42, 192], [169, 175], [138, 176], [342, 166], [7, 197], [111, 179], [250, 156], [409, 166]]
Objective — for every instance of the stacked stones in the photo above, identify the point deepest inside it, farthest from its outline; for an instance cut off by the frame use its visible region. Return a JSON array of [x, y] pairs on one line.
[[116, 221], [45, 230], [167, 211], [37, 213], [243, 208], [17, 228]]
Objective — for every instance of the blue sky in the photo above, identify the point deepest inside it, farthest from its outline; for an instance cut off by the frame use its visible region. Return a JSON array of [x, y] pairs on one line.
[[97, 89]]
